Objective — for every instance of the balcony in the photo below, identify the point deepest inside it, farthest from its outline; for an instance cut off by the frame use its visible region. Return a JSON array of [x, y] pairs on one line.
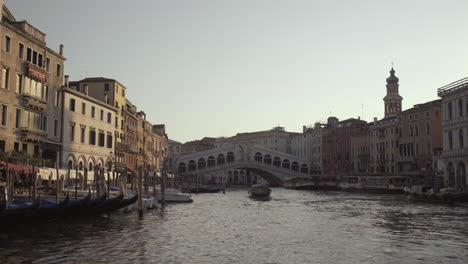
[[34, 102], [33, 134], [120, 147]]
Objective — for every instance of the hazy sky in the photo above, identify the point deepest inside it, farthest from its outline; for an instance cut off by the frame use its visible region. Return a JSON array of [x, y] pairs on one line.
[[216, 68]]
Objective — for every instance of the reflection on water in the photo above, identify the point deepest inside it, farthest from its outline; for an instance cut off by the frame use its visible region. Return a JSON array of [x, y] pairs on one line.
[[293, 227]]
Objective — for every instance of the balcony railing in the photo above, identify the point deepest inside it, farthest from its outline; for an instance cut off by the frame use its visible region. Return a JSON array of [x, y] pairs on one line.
[[462, 83], [34, 102], [454, 153]]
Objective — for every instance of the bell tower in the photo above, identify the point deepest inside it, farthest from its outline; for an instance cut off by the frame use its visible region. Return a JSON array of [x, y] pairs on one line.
[[393, 99]]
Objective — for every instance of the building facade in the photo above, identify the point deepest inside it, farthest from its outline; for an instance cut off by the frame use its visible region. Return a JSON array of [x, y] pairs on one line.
[[455, 128], [31, 77], [88, 131]]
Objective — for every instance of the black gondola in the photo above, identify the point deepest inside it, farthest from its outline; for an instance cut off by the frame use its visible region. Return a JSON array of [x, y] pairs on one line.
[[108, 205], [123, 203], [18, 212]]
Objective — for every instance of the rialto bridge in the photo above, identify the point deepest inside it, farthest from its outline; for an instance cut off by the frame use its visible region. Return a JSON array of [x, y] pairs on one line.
[[273, 166]]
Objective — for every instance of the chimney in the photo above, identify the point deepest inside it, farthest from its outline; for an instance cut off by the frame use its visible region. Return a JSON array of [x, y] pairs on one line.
[[375, 120], [359, 118], [67, 78], [61, 50]]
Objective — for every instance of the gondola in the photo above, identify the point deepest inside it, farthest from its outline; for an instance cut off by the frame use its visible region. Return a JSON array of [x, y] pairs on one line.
[[77, 207], [18, 212], [49, 210], [107, 205], [124, 203]]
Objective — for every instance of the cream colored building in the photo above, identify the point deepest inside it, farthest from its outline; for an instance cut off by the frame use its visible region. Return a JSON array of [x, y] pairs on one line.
[[88, 132], [112, 93], [31, 76]]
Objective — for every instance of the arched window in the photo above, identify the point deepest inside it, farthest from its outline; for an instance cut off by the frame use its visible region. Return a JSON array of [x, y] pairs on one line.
[[460, 107], [70, 164], [450, 140], [449, 110], [460, 138]]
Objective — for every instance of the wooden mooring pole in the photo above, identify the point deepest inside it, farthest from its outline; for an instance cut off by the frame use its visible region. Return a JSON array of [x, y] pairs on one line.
[[140, 192]]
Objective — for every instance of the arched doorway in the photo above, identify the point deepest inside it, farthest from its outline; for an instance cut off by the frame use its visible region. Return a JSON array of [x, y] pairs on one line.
[[258, 157], [182, 167], [267, 159], [201, 163], [236, 177], [277, 162], [451, 174], [295, 166], [192, 166], [211, 161], [230, 157], [285, 164], [461, 175], [304, 168], [221, 160]]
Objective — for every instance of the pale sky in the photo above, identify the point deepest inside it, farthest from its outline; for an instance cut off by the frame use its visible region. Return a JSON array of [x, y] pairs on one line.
[[218, 67]]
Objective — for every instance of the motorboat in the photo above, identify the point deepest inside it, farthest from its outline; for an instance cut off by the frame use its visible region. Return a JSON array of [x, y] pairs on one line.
[[445, 195], [259, 191]]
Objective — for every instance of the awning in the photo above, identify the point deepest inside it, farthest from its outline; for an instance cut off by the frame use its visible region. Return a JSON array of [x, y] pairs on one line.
[[17, 168]]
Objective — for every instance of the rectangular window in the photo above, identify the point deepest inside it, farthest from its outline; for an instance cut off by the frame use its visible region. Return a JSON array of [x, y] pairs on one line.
[[82, 135], [92, 137], [46, 92], [16, 146], [4, 115], [7, 43], [93, 110], [29, 54], [18, 118], [102, 115], [44, 123], [19, 83], [106, 87], [83, 108], [109, 118], [55, 127], [116, 122], [109, 141], [72, 105], [34, 58], [2, 145], [47, 66], [57, 98], [40, 60], [25, 147], [72, 132], [59, 70], [101, 139], [20, 50], [427, 114], [5, 78]]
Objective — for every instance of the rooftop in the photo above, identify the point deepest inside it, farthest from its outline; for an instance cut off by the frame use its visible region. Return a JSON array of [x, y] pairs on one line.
[[451, 87]]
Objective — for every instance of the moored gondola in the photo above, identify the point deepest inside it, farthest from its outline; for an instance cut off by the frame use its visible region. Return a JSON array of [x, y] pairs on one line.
[[18, 212], [124, 203], [107, 206]]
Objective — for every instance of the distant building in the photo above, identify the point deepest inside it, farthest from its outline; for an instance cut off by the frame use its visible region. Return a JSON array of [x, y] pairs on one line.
[[175, 150], [384, 133], [336, 145], [420, 137], [194, 146], [455, 130]]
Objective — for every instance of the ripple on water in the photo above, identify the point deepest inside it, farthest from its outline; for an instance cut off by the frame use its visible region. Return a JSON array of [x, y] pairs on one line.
[[294, 227]]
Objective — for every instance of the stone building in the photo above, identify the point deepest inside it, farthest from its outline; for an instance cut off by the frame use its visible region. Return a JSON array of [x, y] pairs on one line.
[[360, 149], [31, 76], [420, 137], [174, 152], [455, 127], [130, 135], [313, 146], [194, 146], [88, 131]]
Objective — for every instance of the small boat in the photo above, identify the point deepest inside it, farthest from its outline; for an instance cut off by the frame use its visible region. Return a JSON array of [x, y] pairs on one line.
[[124, 203], [174, 196], [445, 195], [259, 191]]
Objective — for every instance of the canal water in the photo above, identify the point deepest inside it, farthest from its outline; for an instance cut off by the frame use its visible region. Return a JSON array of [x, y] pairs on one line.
[[293, 227]]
